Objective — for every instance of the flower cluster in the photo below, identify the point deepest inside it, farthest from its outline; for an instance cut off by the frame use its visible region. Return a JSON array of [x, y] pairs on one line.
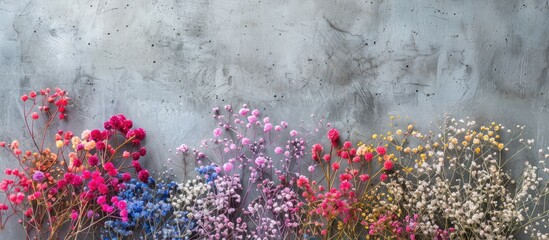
[[64, 190], [149, 212], [261, 179]]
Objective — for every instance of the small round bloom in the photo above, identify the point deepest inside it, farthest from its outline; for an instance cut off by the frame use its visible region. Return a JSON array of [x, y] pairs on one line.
[[333, 135], [347, 144], [335, 166], [38, 176], [278, 150], [327, 157], [74, 215], [383, 177], [364, 177], [228, 167], [368, 156], [243, 111], [93, 160], [59, 144], [388, 165], [268, 127], [143, 175], [260, 161], [293, 133], [311, 168], [217, 132], [381, 150], [245, 141], [35, 115]]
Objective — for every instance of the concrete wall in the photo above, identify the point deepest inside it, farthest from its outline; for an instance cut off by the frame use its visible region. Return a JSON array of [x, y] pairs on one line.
[[165, 63]]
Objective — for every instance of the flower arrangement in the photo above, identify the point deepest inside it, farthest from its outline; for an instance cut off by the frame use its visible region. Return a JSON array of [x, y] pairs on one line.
[[261, 179], [63, 191]]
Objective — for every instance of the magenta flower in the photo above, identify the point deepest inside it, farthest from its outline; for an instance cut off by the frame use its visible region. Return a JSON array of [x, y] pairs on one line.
[[228, 167]]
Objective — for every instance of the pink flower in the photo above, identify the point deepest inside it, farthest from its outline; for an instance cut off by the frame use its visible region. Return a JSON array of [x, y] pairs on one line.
[[345, 177], [260, 161], [347, 144], [344, 155], [316, 150], [278, 128], [74, 215], [3, 207], [126, 154], [101, 200], [93, 160], [278, 150], [252, 119], [345, 186], [364, 177], [243, 111], [35, 115], [293, 133], [333, 136], [245, 141], [327, 157], [311, 168], [255, 112], [388, 165], [383, 177], [217, 132], [368, 156], [381, 150], [302, 181], [268, 127], [335, 166], [228, 167]]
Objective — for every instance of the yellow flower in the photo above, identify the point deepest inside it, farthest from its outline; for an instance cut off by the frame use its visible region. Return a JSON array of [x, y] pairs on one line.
[[59, 144], [374, 136], [89, 145], [75, 141], [501, 146]]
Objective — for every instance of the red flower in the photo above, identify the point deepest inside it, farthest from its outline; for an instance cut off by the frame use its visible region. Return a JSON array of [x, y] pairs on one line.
[[381, 150], [143, 175], [333, 135], [388, 165]]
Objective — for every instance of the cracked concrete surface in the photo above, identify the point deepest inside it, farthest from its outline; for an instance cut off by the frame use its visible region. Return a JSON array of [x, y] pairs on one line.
[[166, 63]]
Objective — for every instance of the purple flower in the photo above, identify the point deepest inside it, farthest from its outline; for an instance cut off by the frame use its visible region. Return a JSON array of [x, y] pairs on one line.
[[38, 176]]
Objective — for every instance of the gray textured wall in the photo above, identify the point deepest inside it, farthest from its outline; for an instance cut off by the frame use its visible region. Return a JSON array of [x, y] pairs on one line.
[[166, 63]]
